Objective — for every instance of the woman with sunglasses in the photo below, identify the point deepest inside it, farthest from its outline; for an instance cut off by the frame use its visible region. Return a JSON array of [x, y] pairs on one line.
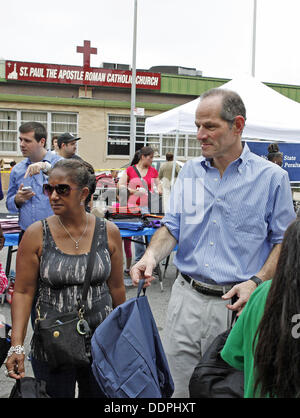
[[52, 257]]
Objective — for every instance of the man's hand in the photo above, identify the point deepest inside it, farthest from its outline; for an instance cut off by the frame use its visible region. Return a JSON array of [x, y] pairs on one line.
[[143, 270], [243, 291], [35, 168], [22, 196]]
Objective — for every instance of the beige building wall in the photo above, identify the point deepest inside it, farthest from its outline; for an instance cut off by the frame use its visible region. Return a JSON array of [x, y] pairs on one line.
[[92, 128]]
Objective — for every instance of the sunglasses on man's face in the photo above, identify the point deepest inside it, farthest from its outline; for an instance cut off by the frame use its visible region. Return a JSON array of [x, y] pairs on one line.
[[61, 189]]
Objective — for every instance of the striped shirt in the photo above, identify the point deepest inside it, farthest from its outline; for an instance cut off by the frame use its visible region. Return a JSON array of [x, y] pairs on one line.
[[226, 226], [38, 207]]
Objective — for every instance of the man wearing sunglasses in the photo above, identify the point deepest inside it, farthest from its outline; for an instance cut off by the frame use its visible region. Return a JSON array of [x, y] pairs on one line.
[[25, 192]]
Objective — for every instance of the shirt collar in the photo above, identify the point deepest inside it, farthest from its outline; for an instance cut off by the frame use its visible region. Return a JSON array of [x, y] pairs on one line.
[[241, 161], [47, 157]]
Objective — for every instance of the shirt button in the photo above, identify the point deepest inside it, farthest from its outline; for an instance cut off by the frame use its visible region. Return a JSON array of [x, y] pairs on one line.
[[214, 221], [218, 200], [211, 243], [206, 265], [216, 179]]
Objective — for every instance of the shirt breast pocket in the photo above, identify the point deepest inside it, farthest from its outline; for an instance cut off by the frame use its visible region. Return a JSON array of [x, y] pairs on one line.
[[246, 219]]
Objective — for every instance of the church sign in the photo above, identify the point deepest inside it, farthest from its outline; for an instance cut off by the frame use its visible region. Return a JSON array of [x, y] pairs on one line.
[[87, 76]]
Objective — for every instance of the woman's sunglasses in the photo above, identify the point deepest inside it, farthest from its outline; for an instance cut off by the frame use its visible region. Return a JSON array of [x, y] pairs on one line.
[[61, 189]]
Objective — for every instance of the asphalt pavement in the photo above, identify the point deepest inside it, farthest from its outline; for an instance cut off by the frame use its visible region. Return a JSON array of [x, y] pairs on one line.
[[158, 301]]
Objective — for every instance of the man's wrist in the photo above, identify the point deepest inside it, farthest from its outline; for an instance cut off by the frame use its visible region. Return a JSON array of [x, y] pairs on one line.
[[46, 167], [256, 280], [18, 204]]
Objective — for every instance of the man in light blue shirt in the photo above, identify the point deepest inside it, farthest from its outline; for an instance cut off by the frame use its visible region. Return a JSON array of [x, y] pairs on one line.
[[25, 191], [229, 210]]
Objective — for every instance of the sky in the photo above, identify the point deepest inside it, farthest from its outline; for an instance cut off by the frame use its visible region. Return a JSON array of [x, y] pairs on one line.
[[213, 36]]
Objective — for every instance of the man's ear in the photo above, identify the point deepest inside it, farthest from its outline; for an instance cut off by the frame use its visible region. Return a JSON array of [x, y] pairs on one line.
[[43, 142], [239, 124]]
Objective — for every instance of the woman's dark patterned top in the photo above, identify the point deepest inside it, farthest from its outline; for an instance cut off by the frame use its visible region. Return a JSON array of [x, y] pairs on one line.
[[62, 277]]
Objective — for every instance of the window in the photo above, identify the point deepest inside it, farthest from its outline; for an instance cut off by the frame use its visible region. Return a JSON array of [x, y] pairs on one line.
[[55, 122], [187, 147], [194, 149], [8, 130], [119, 139], [62, 122], [119, 134], [34, 117], [168, 144]]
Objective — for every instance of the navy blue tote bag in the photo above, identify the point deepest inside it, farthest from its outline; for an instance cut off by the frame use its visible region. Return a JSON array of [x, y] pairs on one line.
[[128, 356]]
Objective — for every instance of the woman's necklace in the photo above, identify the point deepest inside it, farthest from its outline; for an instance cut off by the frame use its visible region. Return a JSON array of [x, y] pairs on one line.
[[76, 241]]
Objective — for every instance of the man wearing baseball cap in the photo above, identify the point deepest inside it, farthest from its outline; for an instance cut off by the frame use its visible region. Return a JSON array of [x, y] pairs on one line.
[[67, 144]]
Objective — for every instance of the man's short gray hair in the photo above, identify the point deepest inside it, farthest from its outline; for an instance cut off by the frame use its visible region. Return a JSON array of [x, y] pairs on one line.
[[232, 104]]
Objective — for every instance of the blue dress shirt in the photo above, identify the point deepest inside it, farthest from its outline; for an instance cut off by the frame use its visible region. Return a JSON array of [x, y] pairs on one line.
[[38, 207], [226, 227]]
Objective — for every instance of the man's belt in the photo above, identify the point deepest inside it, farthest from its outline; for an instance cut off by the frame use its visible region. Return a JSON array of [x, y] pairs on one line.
[[205, 289]]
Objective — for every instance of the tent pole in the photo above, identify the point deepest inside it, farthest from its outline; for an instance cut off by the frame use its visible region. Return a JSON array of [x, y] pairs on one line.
[[254, 38], [133, 88], [175, 157]]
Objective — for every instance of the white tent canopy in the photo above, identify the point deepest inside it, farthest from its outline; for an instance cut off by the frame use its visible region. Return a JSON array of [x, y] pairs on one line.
[[270, 115]]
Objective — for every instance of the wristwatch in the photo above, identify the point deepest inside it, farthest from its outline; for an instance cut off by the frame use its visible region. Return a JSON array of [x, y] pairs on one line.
[[256, 280], [46, 168]]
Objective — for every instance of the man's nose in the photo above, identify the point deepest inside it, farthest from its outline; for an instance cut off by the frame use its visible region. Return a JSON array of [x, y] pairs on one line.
[[201, 133]]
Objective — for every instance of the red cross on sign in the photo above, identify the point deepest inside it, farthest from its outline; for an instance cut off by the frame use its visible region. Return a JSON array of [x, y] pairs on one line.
[[86, 50]]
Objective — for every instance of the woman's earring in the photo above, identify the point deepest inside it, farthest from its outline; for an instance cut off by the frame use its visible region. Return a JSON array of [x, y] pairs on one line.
[[81, 203]]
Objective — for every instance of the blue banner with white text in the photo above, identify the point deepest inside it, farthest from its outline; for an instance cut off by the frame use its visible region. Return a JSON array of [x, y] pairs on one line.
[[290, 160]]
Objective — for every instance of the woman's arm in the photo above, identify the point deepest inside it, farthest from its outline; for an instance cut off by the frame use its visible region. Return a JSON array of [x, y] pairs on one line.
[[116, 280], [158, 185], [126, 183], [27, 272]]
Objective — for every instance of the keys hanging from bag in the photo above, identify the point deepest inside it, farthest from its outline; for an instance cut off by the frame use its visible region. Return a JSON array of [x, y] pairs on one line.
[[65, 337]]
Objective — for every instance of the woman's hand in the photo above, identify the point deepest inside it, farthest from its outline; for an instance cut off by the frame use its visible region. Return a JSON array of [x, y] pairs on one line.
[[140, 192], [15, 366]]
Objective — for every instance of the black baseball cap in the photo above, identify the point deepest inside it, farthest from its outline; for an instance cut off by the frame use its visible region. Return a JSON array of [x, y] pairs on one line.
[[66, 138]]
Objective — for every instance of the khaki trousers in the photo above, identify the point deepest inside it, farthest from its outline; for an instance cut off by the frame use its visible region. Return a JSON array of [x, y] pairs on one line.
[[193, 321]]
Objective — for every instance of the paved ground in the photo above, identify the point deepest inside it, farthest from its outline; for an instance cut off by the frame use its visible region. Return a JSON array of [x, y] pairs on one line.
[[158, 301]]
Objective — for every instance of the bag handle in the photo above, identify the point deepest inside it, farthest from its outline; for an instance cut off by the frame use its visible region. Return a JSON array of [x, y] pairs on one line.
[[140, 287], [90, 264]]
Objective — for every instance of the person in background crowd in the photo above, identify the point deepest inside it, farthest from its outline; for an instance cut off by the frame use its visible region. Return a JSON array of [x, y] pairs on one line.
[[67, 146], [264, 342], [138, 195], [92, 186], [25, 191], [53, 251], [114, 173], [126, 241], [54, 146], [165, 176], [274, 155], [12, 164], [228, 236]]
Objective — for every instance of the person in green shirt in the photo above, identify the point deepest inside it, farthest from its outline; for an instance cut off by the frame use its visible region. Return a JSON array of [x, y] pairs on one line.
[[264, 342]]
